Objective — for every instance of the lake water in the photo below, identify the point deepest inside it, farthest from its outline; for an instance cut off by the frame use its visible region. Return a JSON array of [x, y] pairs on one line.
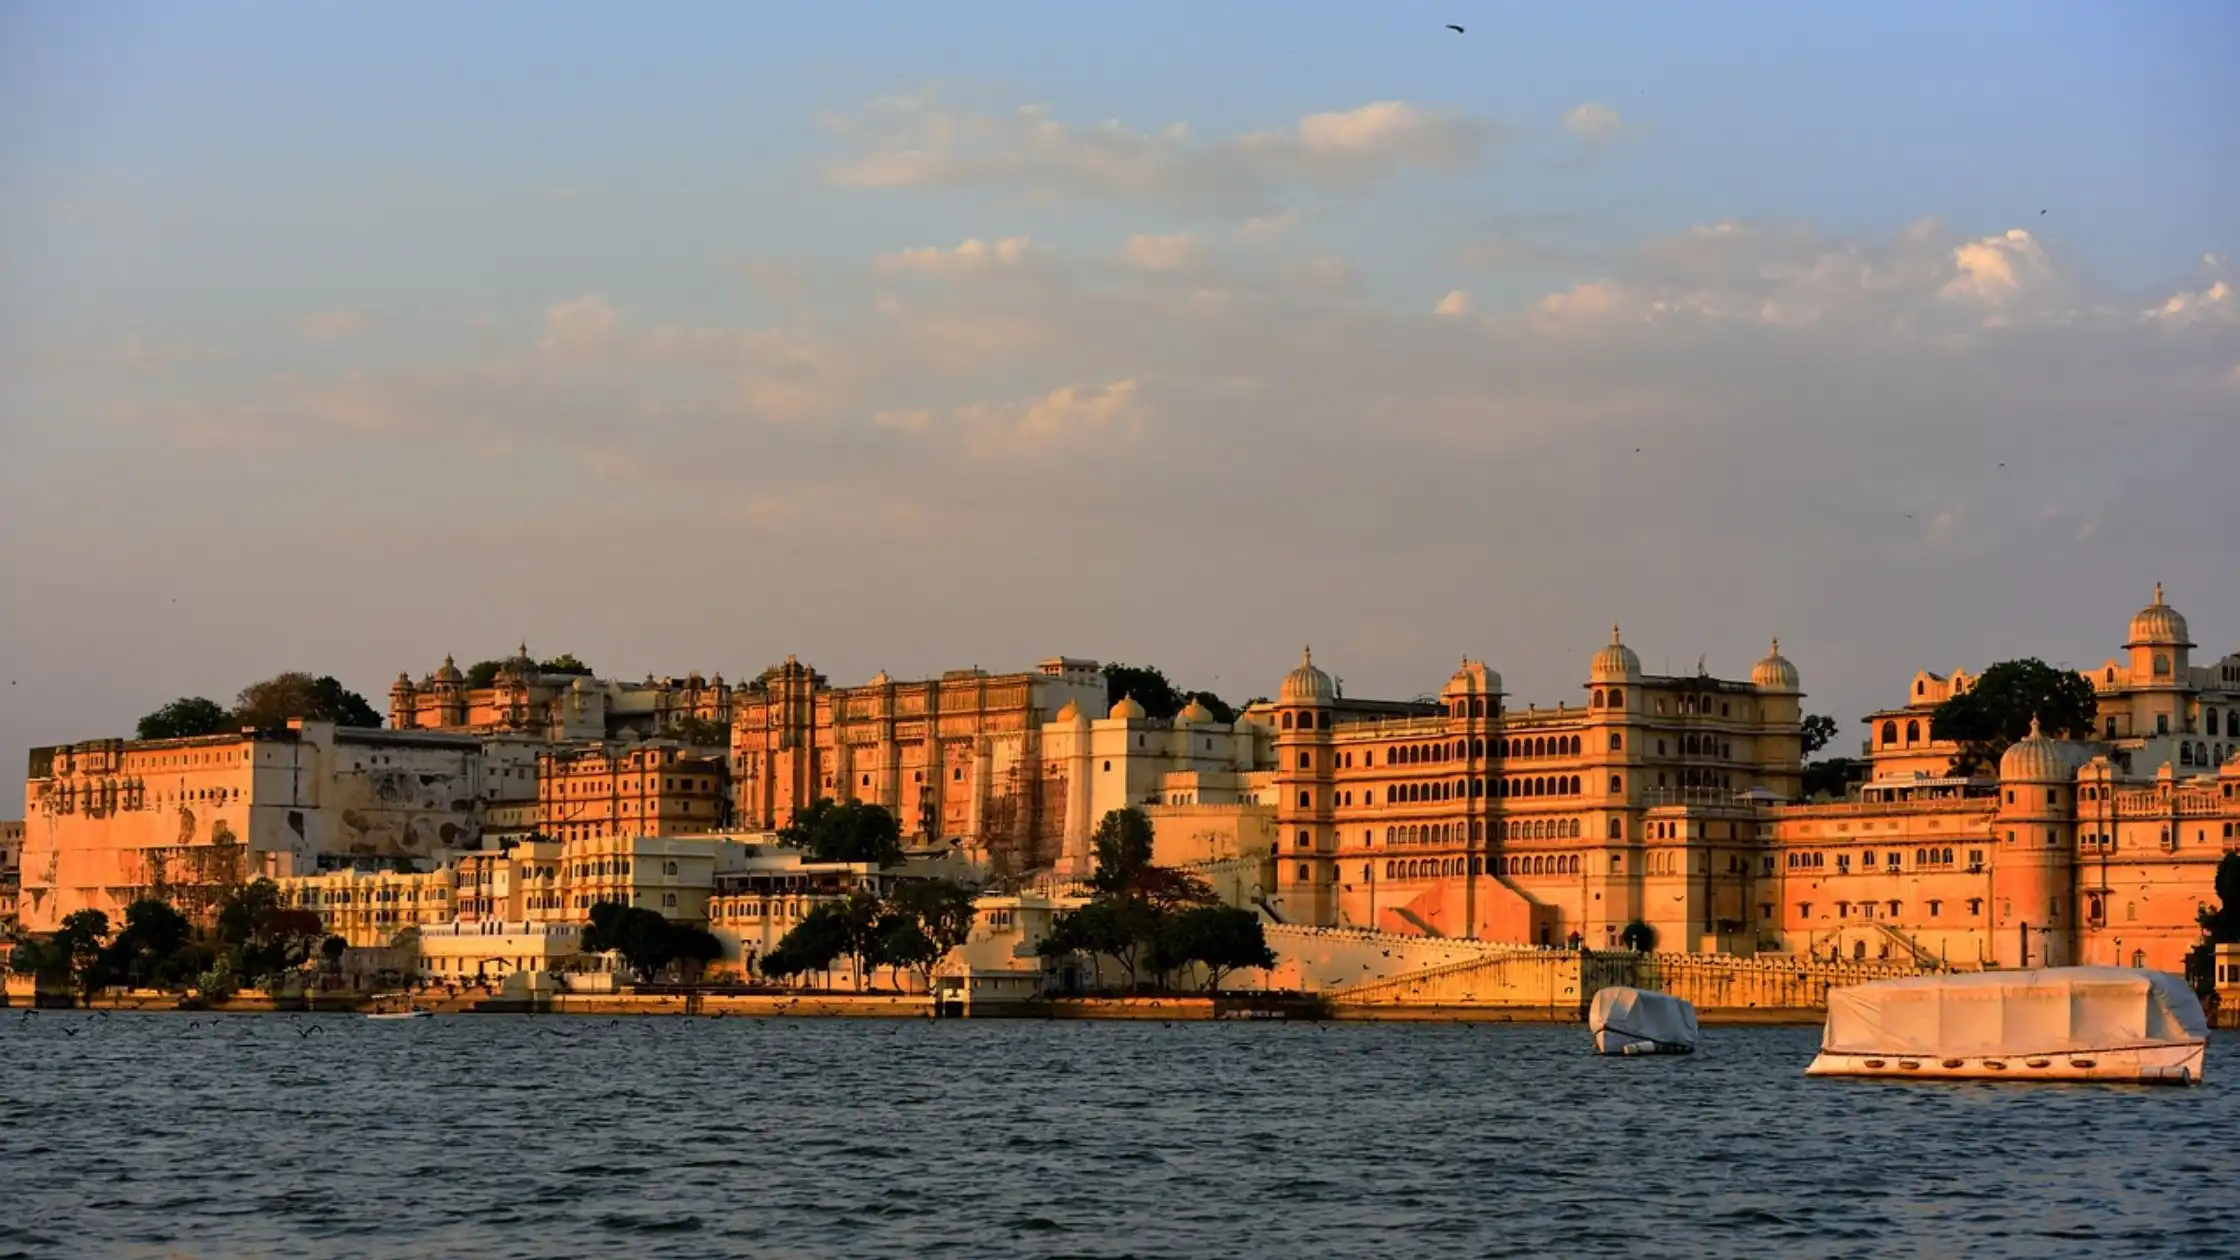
[[496, 1136]]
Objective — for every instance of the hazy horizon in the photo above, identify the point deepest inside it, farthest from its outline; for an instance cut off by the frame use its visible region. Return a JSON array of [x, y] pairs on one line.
[[338, 340]]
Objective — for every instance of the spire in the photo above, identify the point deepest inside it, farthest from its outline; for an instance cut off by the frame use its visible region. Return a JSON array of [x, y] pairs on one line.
[[1306, 657], [2034, 727], [2158, 594], [1614, 633], [1777, 645]]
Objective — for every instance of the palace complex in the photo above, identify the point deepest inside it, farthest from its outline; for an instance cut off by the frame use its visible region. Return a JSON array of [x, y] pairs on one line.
[[487, 820]]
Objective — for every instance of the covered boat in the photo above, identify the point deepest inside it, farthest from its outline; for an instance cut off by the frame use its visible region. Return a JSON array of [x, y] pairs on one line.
[[2053, 1024], [1634, 1021]]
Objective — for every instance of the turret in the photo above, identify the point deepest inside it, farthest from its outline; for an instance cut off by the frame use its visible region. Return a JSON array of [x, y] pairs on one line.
[[2033, 909], [1306, 836]]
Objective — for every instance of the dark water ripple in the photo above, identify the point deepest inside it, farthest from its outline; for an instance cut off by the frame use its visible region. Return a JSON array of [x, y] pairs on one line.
[[157, 1136]]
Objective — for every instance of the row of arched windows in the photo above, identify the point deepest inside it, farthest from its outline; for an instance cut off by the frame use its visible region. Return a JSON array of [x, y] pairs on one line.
[[1434, 868], [1430, 754], [1615, 698], [2200, 755], [1307, 721], [1472, 789], [1452, 833], [1890, 733]]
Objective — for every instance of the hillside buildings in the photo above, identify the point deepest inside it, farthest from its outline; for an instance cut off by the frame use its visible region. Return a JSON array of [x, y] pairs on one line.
[[494, 817]]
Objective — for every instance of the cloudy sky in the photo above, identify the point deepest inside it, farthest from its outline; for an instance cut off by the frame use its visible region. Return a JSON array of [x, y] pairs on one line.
[[923, 336]]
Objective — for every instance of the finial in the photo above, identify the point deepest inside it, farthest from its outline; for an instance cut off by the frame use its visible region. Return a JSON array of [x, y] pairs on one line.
[[1306, 657], [447, 658], [2034, 726], [2158, 594], [1614, 633], [1777, 645]]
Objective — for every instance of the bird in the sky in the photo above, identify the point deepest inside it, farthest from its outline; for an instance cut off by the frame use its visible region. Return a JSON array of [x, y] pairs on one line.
[[1456, 29], [2041, 212]]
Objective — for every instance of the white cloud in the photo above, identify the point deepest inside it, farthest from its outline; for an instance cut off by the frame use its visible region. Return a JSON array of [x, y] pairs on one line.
[[974, 257], [913, 142], [1179, 251], [332, 325], [1455, 303], [1066, 418], [578, 324], [1593, 123]]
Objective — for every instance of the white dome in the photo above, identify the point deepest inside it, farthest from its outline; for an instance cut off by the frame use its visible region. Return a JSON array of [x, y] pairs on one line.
[[1774, 673], [1070, 714], [1306, 684], [1193, 712], [1615, 663], [1127, 710], [1473, 679], [2158, 625], [2035, 759]]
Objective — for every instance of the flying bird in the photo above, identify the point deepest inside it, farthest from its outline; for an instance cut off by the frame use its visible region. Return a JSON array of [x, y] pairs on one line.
[[1456, 29]]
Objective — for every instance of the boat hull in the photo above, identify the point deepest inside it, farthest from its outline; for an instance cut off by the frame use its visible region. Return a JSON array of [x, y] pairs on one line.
[[1612, 1041], [2178, 1064], [402, 1015]]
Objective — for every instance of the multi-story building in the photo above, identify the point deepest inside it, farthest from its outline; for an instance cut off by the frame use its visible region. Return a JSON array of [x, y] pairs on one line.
[[2154, 706], [11, 871], [958, 757], [368, 909], [523, 697], [1480, 820], [661, 788], [110, 821]]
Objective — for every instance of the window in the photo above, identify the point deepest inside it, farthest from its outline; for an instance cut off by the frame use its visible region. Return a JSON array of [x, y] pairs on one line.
[[1306, 800], [1305, 761]]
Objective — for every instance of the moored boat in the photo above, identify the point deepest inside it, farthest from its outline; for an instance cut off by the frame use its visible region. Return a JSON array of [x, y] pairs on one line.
[[1637, 1021], [413, 1013], [2051, 1024]]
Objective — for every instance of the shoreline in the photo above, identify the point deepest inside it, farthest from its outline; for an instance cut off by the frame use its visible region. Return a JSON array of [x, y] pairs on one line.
[[1166, 1008]]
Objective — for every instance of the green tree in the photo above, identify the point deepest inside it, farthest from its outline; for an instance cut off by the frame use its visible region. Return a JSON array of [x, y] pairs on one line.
[[852, 831], [332, 949], [186, 717], [1115, 927], [1219, 938], [483, 673], [812, 945], [565, 663], [1832, 779], [72, 956], [1148, 686], [1639, 937], [649, 944], [700, 732], [899, 942], [941, 913], [296, 694], [2220, 925], [1122, 844], [1998, 710], [263, 937], [1819, 732], [156, 948]]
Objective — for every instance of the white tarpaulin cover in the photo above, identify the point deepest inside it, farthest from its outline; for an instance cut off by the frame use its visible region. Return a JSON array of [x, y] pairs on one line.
[[1645, 1016], [2057, 1010]]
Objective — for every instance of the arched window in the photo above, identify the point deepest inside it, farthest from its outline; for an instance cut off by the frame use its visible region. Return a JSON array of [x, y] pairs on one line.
[[1617, 783], [1596, 702], [1889, 732], [1689, 746], [1913, 732], [1287, 721], [1477, 708], [1388, 869], [1617, 697], [1616, 829], [1477, 748]]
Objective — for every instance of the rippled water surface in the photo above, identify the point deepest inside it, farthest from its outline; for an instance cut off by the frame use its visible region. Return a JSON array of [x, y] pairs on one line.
[[310, 1136]]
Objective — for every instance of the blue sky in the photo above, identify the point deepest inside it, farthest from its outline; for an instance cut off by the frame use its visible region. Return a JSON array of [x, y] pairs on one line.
[[183, 187]]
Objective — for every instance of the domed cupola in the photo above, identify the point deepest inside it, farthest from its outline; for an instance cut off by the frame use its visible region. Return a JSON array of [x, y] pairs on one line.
[[448, 672], [1193, 714], [2035, 759], [1071, 715], [1306, 684], [1127, 710], [2158, 625], [1774, 673], [1472, 679], [1615, 663]]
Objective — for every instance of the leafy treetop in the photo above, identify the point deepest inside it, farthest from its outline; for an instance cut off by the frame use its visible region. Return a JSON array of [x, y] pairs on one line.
[[1819, 732], [565, 663], [851, 831], [296, 694], [1148, 686], [185, 718], [1998, 710]]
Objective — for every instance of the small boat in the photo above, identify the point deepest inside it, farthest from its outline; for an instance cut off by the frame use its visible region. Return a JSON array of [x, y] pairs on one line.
[[1636, 1021], [2113, 1024], [413, 1013]]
